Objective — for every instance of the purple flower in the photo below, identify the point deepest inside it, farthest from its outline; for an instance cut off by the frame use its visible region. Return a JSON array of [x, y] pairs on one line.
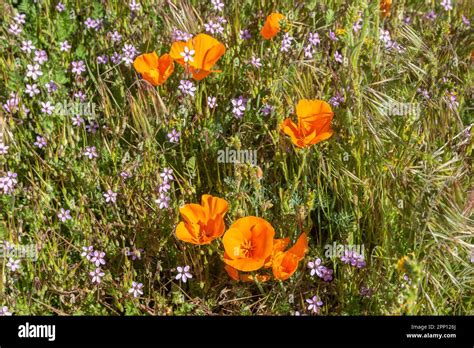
[[97, 275], [167, 174], [87, 252], [314, 304], [213, 28], [164, 187], [218, 5], [447, 5], [91, 152], [173, 136], [267, 109], [14, 265], [256, 62], [129, 52], [47, 108], [33, 71], [3, 148], [332, 36], [321, 271], [11, 104], [20, 18], [314, 39], [15, 29], [125, 175], [238, 106], [466, 21], [134, 6], [32, 90], [309, 51], [110, 196], [178, 35], [424, 93], [336, 100], [211, 102], [80, 95], [115, 36], [92, 127], [90, 23], [60, 7], [51, 86], [136, 289], [163, 201], [357, 25], [4, 312], [338, 57], [78, 67], [77, 120], [431, 15], [183, 273], [27, 46], [97, 258], [407, 20], [8, 182], [116, 58], [134, 254], [64, 215], [453, 101], [102, 59], [286, 42], [40, 57], [353, 258], [187, 87], [385, 36], [40, 142], [245, 34]]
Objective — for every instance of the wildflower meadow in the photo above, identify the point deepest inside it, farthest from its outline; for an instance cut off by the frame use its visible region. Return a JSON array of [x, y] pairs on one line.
[[183, 157]]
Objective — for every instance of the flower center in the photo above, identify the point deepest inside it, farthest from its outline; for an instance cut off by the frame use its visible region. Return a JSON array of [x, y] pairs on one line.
[[247, 248]]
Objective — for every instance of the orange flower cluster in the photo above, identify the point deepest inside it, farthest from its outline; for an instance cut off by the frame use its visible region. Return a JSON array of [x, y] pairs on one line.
[[206, 52], [249, 243]]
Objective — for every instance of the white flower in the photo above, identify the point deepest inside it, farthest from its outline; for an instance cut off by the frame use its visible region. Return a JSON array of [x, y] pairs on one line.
[[33, 71], [64, 215], [188, 54], [218, 5], [13, 264], [167, 174], [136, 289], [97, 275], [314, 304], [32, 90], [110, 196], [27, 46], [90, 152], [4, 311], [256, 62], [47, 108], [64, 46], [183, 274]]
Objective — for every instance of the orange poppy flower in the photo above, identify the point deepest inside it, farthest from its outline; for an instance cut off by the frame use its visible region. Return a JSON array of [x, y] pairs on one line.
[[154, 69], [285, 263], [199, 54], [248, 243], [314, 123], [272, 26], [202, 223], [385, 6]]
